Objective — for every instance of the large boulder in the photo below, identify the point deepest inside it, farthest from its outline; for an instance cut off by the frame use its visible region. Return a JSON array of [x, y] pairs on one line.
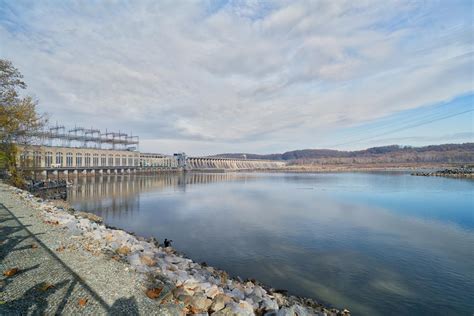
[[242, 308], [219, 302], [200, 303]]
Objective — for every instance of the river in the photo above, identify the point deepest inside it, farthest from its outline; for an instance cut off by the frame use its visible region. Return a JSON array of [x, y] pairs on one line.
[[375, 243]]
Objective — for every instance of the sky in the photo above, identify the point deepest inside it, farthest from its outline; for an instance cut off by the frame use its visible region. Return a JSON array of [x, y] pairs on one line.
[[208, 77]]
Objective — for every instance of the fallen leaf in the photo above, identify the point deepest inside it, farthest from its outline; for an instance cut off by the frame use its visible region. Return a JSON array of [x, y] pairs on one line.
[[46, 286], [11, 272], [115, 257], [124, 250], [154, 293], [60, 248], [34, 246], [166, 298], [148, 261], [89, 248], [82, 302], [71, 247]]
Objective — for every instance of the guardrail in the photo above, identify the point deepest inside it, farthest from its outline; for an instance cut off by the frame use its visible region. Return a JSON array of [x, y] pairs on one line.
[[52, 189]]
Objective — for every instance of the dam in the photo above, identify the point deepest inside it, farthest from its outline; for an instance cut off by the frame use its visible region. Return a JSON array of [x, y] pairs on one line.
[[89, 151]]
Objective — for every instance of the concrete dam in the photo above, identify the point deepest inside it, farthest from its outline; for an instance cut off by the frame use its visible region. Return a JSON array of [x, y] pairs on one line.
[[199, 163]]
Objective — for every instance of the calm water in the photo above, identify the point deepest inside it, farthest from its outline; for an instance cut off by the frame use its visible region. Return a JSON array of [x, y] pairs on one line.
[[376, 243]]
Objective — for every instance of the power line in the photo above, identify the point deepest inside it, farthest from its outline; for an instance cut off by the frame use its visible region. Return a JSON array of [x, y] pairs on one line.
[[404, 128], [438, 113]]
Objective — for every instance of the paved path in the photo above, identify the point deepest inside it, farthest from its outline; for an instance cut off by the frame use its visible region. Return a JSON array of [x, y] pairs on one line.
[[51, 281], [44, 284]]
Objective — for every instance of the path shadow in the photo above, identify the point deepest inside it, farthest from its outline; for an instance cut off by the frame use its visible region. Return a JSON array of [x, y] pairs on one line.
[[11, 236], [8, 280], [33, 301], [2, 220], [24, 233], [124, 307]]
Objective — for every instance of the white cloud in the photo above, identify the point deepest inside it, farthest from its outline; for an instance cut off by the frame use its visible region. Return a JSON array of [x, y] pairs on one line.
[[240, 74]]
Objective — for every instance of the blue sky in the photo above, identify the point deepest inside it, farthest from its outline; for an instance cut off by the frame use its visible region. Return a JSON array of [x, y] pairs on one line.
[[206, 77]]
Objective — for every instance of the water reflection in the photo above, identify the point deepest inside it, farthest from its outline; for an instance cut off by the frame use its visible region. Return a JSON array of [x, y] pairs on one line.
[[371, 242], [119, 194]]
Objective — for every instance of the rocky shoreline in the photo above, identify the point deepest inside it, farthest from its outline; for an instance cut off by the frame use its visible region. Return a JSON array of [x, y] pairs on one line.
[[168, 276], [464, 172]]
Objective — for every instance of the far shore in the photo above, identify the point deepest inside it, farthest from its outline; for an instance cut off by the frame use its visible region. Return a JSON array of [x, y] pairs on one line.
[[378, 167]]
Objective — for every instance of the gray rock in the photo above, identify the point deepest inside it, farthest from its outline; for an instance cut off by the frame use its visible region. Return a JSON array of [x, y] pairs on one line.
[[301, 311], [296, 310], [186, 299], [200, 302], [258, 291], [280, 299], [256, 299], [219, 302], [286, 311], [268, 304], [238, 293], [236, 309], [213, 291]]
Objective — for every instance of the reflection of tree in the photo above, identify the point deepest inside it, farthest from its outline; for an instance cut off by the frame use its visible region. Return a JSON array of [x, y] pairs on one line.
[[119, 194]]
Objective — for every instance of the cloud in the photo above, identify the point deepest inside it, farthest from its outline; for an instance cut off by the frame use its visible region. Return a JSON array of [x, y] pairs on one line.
[[238, 72]]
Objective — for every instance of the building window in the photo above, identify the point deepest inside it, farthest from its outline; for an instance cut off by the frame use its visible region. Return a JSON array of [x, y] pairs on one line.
[[78, 160], [48, 159], [103, 160], [117, 160], [95, 160], [111, 161], [124, 160], [37, 159], [88, 160], [59, 159], [24, 157], [69, 160]]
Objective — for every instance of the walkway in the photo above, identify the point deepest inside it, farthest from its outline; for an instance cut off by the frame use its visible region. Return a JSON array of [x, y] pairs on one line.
[[55, 278]]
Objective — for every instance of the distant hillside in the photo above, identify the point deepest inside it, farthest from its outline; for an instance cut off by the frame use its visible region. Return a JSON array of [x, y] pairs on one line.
[[446, 153]]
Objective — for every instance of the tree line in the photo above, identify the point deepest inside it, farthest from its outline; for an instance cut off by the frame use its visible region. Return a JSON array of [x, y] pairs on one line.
[[445, 153]]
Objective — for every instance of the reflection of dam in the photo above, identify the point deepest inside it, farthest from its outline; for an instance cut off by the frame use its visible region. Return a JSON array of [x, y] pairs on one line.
[[119, 193]]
